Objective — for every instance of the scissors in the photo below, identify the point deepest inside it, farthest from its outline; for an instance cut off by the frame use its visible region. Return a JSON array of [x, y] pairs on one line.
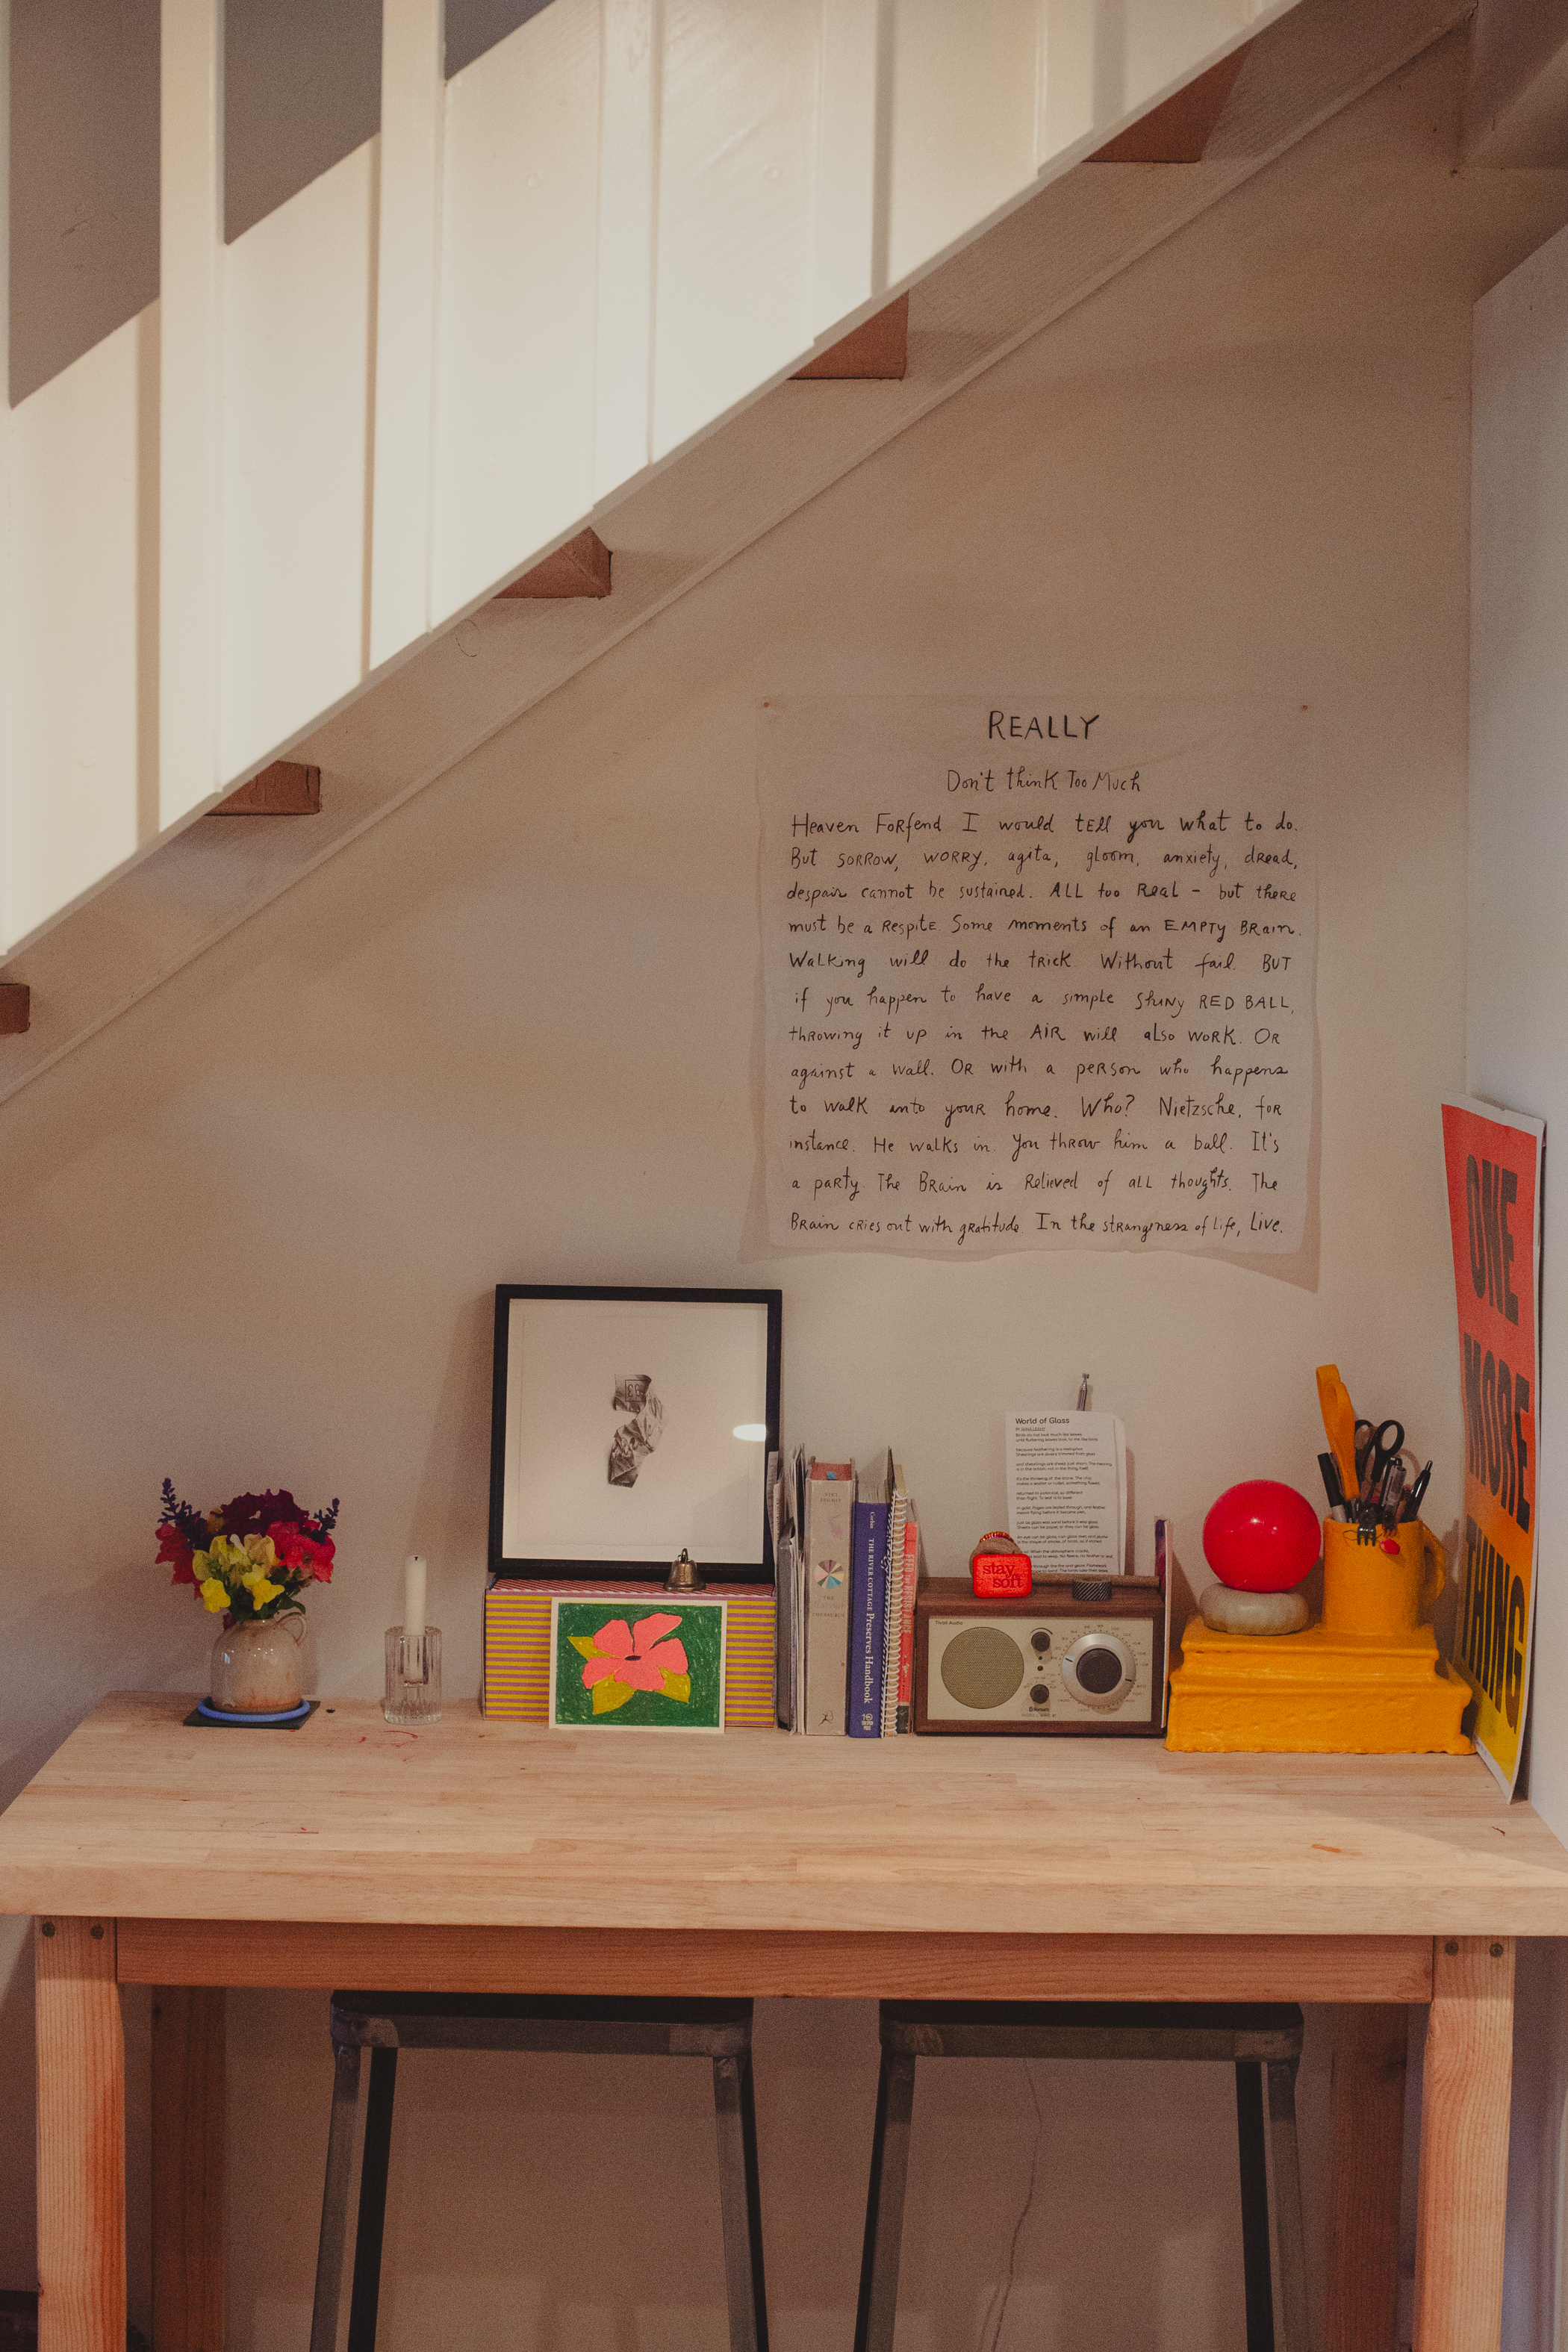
[[1387, 1444]]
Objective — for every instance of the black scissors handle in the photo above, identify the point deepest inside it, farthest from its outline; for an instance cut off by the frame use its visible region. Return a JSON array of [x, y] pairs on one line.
[[1387, 1440]]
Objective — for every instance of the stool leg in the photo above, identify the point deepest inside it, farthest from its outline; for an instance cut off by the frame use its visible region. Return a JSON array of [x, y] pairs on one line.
[[1285, 2174], [365, 2293], [1258, 2287], [741, 2203], [335, 2203], [885, 2205]]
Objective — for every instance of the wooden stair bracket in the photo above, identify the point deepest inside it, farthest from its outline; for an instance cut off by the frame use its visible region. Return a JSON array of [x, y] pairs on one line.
[[285, 789], [879, 348], [1179, 131], [581, 567], [16, 1008]]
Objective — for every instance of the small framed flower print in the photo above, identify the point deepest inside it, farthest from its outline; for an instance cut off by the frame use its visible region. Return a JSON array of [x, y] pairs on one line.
[[649, 1665]]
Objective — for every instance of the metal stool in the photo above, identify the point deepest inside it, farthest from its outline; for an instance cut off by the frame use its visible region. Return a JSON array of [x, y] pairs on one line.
[[385, 2022], [1261, 2040]]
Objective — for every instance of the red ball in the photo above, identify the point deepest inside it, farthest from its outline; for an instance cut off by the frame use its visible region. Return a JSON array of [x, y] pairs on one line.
[[1261, 1536]]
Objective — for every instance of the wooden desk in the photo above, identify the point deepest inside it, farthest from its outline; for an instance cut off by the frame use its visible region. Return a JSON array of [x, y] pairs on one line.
[[500, 1857]]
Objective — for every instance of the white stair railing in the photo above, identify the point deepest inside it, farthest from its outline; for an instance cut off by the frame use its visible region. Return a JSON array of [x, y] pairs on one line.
[[468, 338]]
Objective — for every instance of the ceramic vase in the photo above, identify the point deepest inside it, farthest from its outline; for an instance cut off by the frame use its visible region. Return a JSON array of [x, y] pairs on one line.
[[256, 1665]]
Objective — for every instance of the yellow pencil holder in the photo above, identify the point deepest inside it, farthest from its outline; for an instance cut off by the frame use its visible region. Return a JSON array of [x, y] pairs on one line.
[[1369, 1589]]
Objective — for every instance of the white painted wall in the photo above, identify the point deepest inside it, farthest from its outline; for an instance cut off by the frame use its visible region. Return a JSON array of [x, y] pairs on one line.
[[1518, 950], [251, 1230]]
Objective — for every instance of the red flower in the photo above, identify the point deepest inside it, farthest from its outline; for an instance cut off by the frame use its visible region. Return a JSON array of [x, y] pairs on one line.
[[640, 1658], [248, 1515], [175, 1548], [314, 1555]]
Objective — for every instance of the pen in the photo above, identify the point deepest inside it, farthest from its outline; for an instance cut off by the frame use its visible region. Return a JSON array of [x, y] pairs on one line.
[[1331, 1487], [1391, 1492], [1413, 1500]]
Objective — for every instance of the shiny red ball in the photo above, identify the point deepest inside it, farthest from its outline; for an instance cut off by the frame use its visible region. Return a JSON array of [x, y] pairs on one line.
[[1261, 1536]]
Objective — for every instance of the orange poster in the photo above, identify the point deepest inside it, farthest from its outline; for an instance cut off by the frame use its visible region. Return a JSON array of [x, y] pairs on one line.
[[1493, 1160]]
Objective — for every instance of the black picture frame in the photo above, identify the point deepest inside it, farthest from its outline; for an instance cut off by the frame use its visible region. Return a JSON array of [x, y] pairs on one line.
[[544, 1565]]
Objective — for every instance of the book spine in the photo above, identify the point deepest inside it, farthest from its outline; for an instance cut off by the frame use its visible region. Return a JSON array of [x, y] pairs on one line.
[[892, 1611], [827, 1603], [868, 1620], [907, 1629], [784, 1633]]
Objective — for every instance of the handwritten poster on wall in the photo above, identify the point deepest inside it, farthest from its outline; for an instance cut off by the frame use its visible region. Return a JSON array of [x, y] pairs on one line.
[[1492, 1161], [1038, 975]]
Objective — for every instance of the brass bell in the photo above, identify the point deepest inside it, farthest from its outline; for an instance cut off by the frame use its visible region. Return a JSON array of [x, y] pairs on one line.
[[685, 1576]]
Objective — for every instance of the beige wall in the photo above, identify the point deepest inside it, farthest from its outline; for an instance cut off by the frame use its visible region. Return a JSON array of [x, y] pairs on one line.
[[251, 1230]]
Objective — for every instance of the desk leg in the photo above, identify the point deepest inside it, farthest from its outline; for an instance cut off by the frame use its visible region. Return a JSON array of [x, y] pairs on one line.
[[1367, 2145], [81, 2139], [187, 2168], [1463, 2195]]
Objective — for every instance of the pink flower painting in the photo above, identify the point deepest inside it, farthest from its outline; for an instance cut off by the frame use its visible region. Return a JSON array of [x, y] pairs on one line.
[[623, 1658]]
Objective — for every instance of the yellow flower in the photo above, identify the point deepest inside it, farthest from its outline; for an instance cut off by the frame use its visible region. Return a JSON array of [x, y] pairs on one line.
[[259, 1590], [259, 1551], [215, 1592]]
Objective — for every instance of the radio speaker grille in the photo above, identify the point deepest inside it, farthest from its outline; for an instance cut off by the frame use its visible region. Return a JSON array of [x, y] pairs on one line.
[[983, 1667]]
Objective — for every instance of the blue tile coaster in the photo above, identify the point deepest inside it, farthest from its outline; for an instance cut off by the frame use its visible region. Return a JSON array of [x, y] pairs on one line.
[[205, 1714]]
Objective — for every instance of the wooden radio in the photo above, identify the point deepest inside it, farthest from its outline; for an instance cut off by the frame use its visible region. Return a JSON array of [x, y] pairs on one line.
[[1042, 1661]]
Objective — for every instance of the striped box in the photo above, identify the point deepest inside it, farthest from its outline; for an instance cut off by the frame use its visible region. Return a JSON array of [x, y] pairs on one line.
[[517, 1646]]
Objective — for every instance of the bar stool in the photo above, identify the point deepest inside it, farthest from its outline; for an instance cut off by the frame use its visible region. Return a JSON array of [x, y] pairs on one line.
[[1262, 2040], [385, 2022]]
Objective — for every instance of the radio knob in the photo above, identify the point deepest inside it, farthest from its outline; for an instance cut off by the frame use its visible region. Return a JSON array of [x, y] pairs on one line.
[[1040, 1693], [1040, 1640], [1099, 1669]]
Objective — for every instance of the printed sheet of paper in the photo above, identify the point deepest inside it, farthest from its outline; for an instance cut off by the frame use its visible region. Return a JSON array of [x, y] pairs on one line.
[[1067, 1491], [1038, 975]]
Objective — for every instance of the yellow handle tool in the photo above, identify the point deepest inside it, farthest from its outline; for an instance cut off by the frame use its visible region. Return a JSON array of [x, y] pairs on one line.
[[1339, 1425]]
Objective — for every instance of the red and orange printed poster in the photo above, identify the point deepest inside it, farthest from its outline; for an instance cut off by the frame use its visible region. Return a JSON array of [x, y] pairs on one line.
[[1492, 1159]]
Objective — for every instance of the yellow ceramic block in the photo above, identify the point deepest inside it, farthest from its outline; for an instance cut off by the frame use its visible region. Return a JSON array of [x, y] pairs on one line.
[[1316, 1691]]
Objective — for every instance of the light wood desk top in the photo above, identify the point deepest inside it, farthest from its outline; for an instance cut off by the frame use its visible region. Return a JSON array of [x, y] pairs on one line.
[[511, 1825]]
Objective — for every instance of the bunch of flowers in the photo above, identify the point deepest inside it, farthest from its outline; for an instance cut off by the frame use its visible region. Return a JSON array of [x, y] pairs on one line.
[[250, 1559]]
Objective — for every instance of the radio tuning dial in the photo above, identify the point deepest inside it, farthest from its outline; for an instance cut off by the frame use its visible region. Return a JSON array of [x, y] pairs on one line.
[[1099, 1669]]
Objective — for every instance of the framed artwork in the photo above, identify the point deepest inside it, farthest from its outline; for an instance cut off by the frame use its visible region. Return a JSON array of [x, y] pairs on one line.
[[628, 1426], [655, 1665]]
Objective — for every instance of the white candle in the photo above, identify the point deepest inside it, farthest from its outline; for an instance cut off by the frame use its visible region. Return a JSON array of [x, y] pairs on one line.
[[414, 1619]]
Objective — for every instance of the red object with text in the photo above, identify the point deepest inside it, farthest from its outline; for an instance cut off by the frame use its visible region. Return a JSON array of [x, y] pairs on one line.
[[998, 1570]]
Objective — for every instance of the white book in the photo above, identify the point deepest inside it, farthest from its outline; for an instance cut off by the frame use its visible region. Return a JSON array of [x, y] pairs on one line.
[[829, 1506]]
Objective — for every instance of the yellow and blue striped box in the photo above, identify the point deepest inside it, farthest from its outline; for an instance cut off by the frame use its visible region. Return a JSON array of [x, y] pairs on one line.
[[516, 1645]]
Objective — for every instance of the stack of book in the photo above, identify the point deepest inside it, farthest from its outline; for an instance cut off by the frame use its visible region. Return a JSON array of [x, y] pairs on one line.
[[847, 1559]]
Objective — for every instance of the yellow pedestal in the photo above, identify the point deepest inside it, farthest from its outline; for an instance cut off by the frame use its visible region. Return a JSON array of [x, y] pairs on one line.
[[1316, 1691]]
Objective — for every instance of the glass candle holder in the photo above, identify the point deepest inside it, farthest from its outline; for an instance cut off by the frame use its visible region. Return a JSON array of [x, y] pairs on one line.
[[413, 1678]]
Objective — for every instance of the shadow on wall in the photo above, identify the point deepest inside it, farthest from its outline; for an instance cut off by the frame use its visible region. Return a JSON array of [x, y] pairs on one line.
[[71, 1646]]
